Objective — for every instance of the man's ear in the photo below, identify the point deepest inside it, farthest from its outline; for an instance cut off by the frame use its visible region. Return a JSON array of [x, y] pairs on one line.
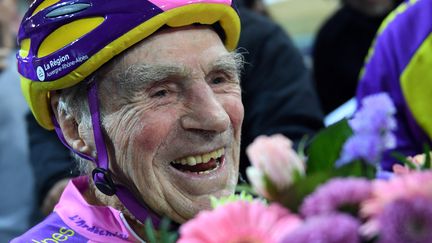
[[69, 126]]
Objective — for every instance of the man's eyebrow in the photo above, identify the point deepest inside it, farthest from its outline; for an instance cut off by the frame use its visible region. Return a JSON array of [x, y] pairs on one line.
[[231, 62], [139, 75]]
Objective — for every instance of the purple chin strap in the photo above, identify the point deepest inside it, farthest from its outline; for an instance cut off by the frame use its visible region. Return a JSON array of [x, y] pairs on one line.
[[101, 174]]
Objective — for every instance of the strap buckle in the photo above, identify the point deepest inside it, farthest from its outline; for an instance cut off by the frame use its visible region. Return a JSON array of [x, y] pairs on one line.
[[104, 183]]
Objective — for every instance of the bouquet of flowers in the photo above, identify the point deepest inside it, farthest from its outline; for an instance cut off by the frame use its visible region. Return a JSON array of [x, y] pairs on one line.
[[337, 194]]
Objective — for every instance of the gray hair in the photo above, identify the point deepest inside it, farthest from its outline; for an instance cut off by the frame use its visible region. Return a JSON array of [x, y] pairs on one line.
[[73, 100]]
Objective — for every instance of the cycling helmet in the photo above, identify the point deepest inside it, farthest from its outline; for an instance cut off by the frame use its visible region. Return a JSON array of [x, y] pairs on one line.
[[64, 41]]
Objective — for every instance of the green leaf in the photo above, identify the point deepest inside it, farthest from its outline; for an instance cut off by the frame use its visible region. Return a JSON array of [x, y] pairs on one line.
[[164, 233], [244, 187], [427, 163], [293, 196], [243, 196], [326, 147], [150, 231], [270, 186], [164, 228], [403, 159], [172, 237], [356, 168], [301, 147], [297, 175]]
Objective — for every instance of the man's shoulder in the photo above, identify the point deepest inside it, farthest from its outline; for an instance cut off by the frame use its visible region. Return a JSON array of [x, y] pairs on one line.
[[411, 15], [50, 230]]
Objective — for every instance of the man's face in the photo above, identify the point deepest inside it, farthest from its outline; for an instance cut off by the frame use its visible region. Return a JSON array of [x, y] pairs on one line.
[[174, 121]]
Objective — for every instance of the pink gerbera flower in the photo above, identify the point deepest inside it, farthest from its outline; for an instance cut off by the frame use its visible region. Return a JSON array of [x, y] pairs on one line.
[[240, 222], [404, 186]]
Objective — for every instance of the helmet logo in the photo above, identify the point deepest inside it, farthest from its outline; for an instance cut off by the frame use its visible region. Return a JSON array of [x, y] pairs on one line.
[[40, 73]]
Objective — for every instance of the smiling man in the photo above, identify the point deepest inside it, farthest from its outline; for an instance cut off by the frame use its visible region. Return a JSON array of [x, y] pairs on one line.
[[175, 126], [152, 108]]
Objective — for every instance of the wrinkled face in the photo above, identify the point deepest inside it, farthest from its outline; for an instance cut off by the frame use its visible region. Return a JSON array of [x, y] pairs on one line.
[[174, 121]]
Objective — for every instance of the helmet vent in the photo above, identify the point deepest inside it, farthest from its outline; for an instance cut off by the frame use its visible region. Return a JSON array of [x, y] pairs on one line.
[[68, 9]]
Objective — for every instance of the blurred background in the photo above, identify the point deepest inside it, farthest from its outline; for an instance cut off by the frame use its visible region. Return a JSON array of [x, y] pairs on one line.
[[302, 18]]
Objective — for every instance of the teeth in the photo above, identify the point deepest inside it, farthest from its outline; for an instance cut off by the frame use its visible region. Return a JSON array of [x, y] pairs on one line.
[[218, 153], [203, 158], [206, 157], [191, 160], [208, 171]]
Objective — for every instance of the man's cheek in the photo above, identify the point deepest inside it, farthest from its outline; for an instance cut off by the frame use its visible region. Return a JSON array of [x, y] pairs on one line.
[[235, 110], [152, 134]]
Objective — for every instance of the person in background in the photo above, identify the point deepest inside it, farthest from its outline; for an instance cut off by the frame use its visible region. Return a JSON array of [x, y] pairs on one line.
[[257, 6], [341, 46], [16, 177], [277, 93], [8, 19], [400, 64]]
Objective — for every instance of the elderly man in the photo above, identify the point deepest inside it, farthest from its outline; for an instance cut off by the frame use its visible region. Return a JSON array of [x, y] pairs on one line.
[[152, 97]]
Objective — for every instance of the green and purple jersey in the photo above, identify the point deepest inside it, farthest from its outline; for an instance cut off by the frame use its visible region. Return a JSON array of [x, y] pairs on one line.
[[400, 63]]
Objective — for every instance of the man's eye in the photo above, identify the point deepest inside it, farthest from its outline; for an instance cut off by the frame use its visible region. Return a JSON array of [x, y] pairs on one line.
[[218, 80], [160, 93]]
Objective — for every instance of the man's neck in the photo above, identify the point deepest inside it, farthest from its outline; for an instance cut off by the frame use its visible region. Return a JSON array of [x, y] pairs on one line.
[[95, 197]]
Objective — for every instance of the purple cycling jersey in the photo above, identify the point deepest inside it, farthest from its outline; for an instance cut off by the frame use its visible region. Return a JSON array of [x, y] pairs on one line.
[[397, 44]]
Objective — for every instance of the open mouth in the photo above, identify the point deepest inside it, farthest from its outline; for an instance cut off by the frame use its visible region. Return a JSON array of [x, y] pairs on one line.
[[200, 164]]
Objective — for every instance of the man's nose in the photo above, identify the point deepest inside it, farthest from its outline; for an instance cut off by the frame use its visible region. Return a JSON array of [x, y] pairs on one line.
[[205, 112]]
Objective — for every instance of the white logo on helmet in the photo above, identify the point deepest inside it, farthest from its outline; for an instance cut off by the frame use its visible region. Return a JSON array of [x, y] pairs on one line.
[[40, 73]]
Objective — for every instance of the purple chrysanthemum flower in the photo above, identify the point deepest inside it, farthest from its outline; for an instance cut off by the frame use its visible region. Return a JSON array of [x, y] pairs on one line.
[[331, 228], [372, 126], [375, 116], [407, 220], [336, 194], [367, 147]]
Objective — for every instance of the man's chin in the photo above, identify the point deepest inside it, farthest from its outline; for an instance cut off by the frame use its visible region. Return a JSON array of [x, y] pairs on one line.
[[198, 204]]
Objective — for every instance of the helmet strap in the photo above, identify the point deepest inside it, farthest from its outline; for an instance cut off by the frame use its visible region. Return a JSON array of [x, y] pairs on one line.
[[101, 174]]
